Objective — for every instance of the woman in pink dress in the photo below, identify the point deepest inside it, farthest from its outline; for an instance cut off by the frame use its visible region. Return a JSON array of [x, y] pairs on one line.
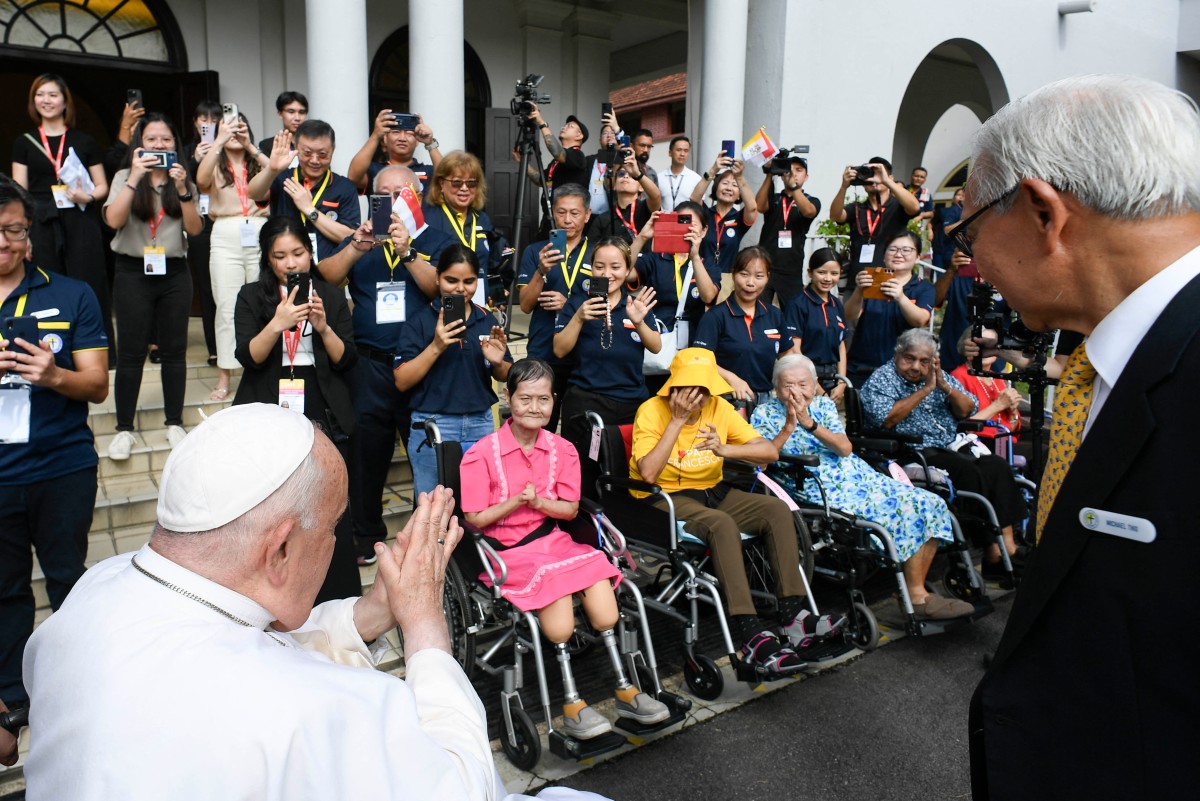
[[516, 485]]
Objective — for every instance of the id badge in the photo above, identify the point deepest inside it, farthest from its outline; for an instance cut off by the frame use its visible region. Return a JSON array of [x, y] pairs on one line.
[[866, 254], [16, 407], [785, 240], [313, 239], [291, 394], [249, 234], [202, 206], [154, 260], [61, 200], [389, 302]]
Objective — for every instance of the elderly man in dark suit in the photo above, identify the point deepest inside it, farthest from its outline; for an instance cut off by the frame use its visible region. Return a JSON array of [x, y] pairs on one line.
[[1082, 209]]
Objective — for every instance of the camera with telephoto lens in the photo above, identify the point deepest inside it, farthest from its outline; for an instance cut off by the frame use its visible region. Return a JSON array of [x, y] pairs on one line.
[[781, 162], [526, 94], [1011, 332], [863, 173]]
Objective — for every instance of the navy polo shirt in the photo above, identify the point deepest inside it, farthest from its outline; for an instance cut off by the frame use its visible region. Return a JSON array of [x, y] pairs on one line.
[[60, 441], [437, 219], [956, 318], [374, 268], [460, 381], [881, 323], [339, 200], [423, 172], [745, 346], [820, 324], [660, 271], [564, 279], [724, 236], [616, 372]]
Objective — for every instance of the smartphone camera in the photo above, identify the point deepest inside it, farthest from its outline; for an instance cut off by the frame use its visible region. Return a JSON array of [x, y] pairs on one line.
[[163, 159], [303, 281]]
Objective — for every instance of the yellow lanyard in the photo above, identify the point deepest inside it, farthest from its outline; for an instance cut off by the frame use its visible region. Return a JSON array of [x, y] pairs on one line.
[[321, 191], [21, 305], [680, 260], [458, 229], [389, 255], [570, 275]]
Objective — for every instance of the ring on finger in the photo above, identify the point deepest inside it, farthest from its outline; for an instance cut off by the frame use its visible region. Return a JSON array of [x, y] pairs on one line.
[[441, 541]]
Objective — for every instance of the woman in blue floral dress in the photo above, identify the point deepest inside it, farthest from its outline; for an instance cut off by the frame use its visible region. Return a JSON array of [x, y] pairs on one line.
[[799, 423]]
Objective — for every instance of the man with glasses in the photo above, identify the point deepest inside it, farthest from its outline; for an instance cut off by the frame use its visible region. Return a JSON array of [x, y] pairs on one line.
[[873, 223], [47, 452], [1083, 209]]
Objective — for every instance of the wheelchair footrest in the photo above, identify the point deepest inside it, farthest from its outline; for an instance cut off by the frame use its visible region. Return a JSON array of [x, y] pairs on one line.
[[632, 727], [825, 650], [753, 674], [570, 748], [983, 608]]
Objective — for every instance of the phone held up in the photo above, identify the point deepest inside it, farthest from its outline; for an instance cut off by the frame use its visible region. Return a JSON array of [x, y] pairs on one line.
[[163, 159], [25, 328], [454, 309], [381, 216], [133, 98], [229, 113], [598, 288], [404, 122], [558, 240], [670, 230], [727, 146], [304, 282]]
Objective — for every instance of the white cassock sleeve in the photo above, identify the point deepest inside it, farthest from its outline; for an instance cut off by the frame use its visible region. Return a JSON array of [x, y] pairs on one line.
[[330, 630]]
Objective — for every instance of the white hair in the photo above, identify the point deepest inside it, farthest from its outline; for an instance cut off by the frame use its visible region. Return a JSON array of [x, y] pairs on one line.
[[1125, 146], [408, 176], [792, 361], [916, 338]]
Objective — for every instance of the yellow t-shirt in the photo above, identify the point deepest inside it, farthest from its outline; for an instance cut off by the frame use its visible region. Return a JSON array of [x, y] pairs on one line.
[[687, 467]]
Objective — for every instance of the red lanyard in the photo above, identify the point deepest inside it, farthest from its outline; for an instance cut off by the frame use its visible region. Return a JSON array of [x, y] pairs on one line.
[[242, 187], [787, 210], [722, 227], [867, 220], [629, 223], [154, 223], [57, 160], [291, 343]]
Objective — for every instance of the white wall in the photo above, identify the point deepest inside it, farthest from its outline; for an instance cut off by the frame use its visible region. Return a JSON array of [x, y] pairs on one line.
[[948, 145]]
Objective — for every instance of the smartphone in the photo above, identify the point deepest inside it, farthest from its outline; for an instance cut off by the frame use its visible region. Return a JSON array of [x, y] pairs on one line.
[[405, 122], [24, 327], [558, 240], [598, 288], [208, 133], [134, 97], [669, 232], [727, 146], [970, 270], [605, 108], [163, 159], [878, 276], [229, 112], [454, 308], [381, 216], [302, 280]]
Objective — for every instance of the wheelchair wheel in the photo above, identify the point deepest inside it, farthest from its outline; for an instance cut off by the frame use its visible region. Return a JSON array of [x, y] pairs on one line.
[[456, 606], [703, 677], [958, 583], [866, 630], [528, 749], [804, 540]]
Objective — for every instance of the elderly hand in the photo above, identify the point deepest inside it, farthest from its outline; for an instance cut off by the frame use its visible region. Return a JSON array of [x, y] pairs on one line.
[[710, 440], [413, 571], [683, 401], [1011, 397]]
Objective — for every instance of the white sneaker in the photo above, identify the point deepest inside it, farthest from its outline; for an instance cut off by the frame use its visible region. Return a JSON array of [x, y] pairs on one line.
[[175, 435], [121, 445]]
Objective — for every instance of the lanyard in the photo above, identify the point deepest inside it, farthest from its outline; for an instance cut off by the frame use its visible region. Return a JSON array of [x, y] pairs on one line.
[[787, 210], [570, 275], [242, 187], [871, 226], [291, 343], [389, 255], [308, 185], [674, 186], [154, 222], [680, 260], [458, 229], [57, 160], [628, 223], [21, 305], [722, 227]]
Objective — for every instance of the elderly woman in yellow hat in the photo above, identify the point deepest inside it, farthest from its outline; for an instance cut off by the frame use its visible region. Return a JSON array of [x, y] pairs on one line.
[[680, 440]]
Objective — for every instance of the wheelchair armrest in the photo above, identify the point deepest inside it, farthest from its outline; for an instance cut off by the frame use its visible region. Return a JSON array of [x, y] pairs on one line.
[[630, 484], [488, 556], [805, 460], [971, 426], [590, 506], [896, 436], [887, 447]]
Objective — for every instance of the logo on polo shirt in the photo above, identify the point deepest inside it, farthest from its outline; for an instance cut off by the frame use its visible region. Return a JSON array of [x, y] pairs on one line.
[[634, 336], [695, 291], [54, 341], [587, 284]]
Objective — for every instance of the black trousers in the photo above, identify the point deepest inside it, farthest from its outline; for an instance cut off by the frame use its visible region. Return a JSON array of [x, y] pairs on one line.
[[198, 248], [70, 241], [380, 413], [151, 308], [52, 516], [989, 476]]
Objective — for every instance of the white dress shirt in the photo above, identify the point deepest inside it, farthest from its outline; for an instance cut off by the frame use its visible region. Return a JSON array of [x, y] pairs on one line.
[[138, 692], [676, 188], [1117, 336]]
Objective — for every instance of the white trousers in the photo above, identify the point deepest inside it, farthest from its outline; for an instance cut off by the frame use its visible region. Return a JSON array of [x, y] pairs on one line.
[[231, 267]]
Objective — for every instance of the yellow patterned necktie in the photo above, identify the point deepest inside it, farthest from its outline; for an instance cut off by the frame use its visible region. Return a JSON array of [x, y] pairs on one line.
[[1072, 400]]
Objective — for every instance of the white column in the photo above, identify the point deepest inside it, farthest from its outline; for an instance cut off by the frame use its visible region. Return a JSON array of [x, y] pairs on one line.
[[724, 78], [336, 35], [435, 79]]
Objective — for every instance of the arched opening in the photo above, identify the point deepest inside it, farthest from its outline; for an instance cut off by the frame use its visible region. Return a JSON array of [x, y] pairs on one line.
[[101, 48], [958, 72], [389, 86]]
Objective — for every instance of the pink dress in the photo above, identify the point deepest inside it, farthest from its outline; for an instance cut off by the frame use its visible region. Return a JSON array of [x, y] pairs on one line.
[[552, 566]]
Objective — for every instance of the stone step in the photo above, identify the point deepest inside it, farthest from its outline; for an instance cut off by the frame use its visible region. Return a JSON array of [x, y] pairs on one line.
[[149, 415]]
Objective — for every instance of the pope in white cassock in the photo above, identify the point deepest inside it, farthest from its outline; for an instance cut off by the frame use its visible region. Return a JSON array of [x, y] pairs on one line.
[[197, 668]]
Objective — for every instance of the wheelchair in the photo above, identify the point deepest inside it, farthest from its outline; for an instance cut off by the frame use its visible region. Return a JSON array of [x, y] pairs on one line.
[[683, 575], [477, 612]]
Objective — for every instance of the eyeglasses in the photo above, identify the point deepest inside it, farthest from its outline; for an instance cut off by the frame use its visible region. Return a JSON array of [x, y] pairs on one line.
[[961, 232], [906, 251], [623, 174], [15, 233], [870, 183], [459, 183]]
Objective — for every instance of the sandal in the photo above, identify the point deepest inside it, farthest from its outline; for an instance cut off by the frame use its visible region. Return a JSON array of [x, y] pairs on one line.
[[770, 657], [219, 394]]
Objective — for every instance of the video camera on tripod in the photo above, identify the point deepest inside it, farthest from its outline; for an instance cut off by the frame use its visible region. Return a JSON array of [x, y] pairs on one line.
[[526, 94]]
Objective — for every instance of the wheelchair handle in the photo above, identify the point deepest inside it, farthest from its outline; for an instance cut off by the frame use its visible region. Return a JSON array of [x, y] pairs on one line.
[[15, 720], [433, 434]]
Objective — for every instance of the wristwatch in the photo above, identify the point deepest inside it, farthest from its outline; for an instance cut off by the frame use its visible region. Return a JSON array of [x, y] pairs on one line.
[[810, 430], [409, 257], [187, 197], [312, 216], [432, 144]]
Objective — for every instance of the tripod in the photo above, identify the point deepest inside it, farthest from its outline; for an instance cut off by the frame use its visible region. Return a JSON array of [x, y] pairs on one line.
[[529, 151], [1035, 376]]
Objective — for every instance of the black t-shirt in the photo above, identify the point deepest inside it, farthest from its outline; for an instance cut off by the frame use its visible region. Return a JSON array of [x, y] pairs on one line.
[[868, 226], [783, 215], [573, 171], [40, 166], [608, 224]]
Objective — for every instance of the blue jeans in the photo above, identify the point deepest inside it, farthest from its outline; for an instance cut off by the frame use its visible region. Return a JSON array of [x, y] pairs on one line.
[[463, 428]]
